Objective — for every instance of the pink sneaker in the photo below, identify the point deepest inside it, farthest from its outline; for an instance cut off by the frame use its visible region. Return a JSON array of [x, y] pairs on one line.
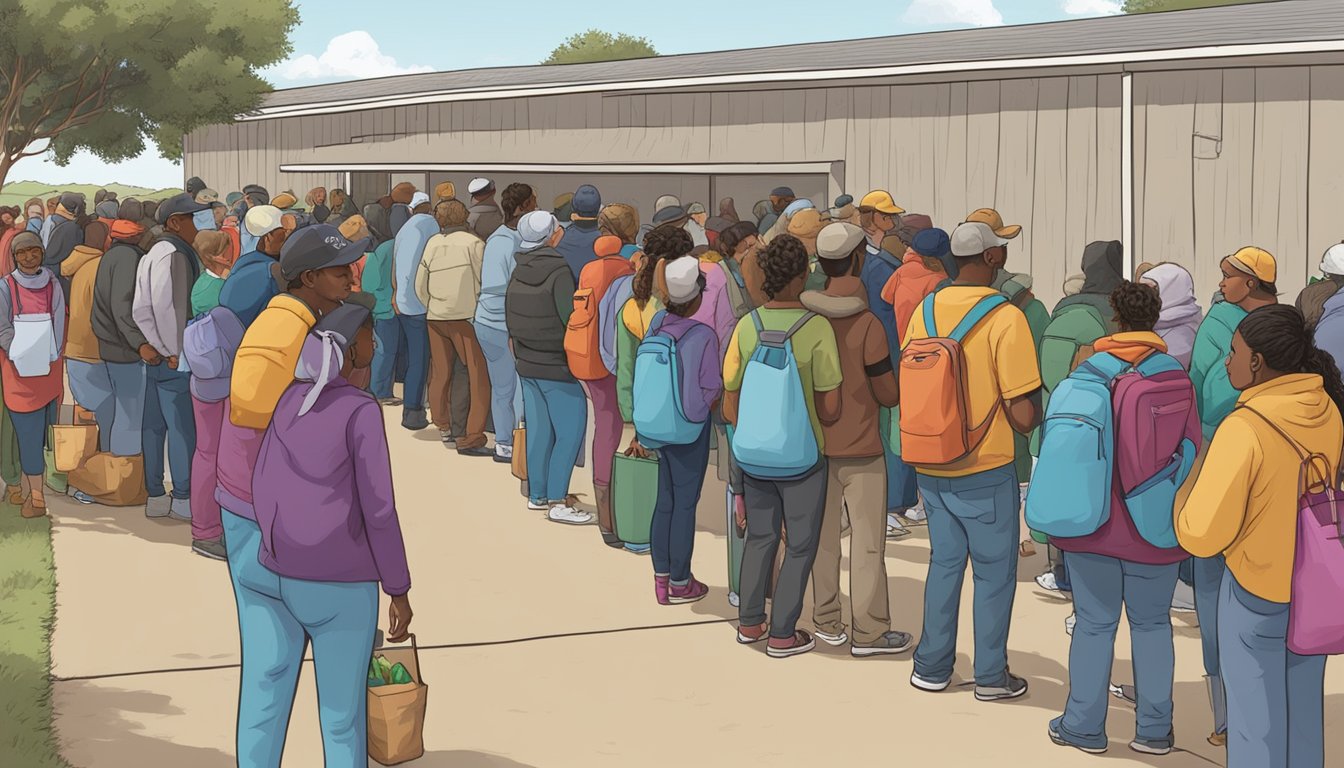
[[689, 593], [660, 588]]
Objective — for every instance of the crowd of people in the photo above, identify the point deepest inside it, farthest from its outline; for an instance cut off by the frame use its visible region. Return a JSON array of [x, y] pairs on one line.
[[850, 368]]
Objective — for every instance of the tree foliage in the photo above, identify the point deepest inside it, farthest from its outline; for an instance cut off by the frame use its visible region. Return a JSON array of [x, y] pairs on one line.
[[596, 45], [1155, 6], [103, 75]]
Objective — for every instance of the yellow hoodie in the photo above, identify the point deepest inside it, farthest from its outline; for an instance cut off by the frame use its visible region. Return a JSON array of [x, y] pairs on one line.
[[1244, 502], [80, 268], [264, 366]]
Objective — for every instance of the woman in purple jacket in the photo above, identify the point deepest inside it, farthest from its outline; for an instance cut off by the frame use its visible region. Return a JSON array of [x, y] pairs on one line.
[[322, 492]]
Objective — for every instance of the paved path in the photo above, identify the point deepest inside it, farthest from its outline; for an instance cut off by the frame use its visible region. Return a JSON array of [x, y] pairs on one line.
[[545, 649]]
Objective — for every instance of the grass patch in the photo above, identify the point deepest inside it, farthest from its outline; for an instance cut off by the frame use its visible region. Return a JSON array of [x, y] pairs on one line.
[[27, 607]]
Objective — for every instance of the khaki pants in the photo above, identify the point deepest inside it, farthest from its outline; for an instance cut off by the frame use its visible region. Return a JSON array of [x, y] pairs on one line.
[[861, 486], [450, 340]]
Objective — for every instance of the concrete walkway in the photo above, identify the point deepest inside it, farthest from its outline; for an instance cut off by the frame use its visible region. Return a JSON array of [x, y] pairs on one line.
[[543, 648]]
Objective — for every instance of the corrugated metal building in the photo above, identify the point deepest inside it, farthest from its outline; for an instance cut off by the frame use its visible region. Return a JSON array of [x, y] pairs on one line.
[[1186, 135]]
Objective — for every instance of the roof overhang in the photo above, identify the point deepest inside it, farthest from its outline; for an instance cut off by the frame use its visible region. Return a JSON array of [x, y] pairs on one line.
[[682, 169], [1149, 57]]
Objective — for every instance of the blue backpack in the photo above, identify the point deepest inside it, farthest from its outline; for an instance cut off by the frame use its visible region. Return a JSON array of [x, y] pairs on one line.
[[659, 414], [773, 438]]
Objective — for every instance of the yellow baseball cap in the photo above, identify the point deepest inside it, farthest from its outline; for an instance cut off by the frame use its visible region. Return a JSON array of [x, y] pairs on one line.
[[995, 221], [1256, 261], [880, 200]]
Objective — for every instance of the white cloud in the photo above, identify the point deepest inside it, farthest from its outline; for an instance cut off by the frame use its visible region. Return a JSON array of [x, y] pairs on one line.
[[351, 56], [975, 13], [1092, 7]]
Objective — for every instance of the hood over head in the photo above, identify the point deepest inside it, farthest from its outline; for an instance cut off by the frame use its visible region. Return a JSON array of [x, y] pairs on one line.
[[1103, 267], [1177, 289], [843, 297]]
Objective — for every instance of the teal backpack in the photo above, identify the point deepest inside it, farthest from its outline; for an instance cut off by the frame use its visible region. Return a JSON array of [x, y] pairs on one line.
[[773, 438], [659, 414]]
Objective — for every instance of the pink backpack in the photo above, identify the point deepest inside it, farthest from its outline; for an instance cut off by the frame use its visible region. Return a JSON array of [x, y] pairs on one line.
[[1315, 621]]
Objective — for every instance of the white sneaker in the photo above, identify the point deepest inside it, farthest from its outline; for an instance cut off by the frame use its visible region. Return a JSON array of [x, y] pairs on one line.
[[734, 600], [1047, 581], [836, 640], [504, 451], [1184, 599], [917, 513], [569, 515], [1069, 624], [894, 521], [447, 437], [538, 506]]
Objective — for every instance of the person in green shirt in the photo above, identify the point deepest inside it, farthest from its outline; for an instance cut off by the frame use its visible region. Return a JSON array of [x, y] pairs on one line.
[[213, 247], [376, 280]]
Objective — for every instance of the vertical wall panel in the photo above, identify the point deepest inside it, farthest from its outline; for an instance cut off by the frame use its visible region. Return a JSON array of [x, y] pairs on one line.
[[1325, 226], [982, 144], [1279, 196], [1048, 225], [1014, 197]]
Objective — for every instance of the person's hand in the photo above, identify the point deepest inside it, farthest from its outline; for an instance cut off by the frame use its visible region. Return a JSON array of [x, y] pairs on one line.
[[740, 514], [172, 362], [149, 354], [636, 450], [399, 619]]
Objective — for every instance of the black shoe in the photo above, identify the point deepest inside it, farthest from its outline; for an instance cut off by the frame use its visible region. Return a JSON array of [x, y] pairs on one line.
[[612, 540], [414, 419], [479, 451]]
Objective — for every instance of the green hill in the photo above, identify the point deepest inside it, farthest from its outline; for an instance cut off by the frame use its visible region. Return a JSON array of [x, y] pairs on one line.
[[20, 192]]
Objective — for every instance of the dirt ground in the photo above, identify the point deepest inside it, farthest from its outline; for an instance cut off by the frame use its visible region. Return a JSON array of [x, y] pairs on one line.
[[544, 649]]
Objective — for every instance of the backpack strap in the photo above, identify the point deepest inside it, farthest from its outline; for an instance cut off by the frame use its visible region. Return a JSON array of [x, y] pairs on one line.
[[779, 338], [930, 324], [756, 318], [978, 313], [656, 324], [1104, 366]]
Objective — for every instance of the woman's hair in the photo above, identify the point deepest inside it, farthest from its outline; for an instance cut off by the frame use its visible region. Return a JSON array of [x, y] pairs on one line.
[[783, 261], [311, 197], [211, 243], [680, 310], [733, 236], [620, 220], [664, 242], [513, 197], [1137, 307], [451, 213], [1279, 333], [336, 200]]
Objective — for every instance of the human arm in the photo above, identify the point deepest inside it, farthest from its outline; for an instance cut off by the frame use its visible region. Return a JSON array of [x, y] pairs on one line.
[[422, 281], [563, 292], [122, 279], [878, 364], [1025, 412], [626, 346], [58, 317], [6, 313], [732, 374], [827, 375], [178, 313], [1215, 510]]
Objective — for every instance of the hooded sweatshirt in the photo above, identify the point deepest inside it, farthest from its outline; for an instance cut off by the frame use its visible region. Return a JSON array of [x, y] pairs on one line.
[[1213, 392], [264, 366], [1118, 537], [112, 318], [1330, 330], [64, 237], [1245, 504], [865, 362], [577, 245], [1181, 313], [81, 269], [408, 249], [537, 306]]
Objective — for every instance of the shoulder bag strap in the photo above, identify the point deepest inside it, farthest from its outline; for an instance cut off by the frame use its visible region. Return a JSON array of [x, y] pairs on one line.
[[1310, 475]]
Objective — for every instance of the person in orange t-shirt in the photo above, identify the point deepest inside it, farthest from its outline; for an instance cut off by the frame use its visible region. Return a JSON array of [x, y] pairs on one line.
[[919, 275]]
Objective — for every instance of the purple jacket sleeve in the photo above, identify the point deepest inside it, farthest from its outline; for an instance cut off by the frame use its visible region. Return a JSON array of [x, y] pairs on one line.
[[373, 483]]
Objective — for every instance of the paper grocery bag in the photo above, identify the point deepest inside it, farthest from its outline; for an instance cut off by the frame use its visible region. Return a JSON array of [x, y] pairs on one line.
[[519, 463], [72, 445], [397, 712]]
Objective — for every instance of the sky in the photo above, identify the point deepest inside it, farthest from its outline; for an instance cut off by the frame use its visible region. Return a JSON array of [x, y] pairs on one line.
[[351, 39]]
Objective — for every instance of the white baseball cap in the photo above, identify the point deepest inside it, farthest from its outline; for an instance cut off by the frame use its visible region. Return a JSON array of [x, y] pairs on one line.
[[536, 229], [974, 238], [666, 201], [261, 220], [1333, 261], [418, 199], [682, 276], [478, 185]]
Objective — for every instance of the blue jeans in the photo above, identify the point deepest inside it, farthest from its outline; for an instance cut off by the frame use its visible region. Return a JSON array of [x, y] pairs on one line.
[[681, 473], [557, 415], [1275, 698], [1100, 586], [506, 397], [128, 420], [31, 429], [341, 619], [272, 648], [416, 335], [91, 388], [168, 416], [388, 339], [973, 517], [902, 486], [1209, 575]]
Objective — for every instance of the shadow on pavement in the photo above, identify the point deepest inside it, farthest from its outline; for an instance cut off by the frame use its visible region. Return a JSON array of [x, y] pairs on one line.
[[465, 759], [112, 739]]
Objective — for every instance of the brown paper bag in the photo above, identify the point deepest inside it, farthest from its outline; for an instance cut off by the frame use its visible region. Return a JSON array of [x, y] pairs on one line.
[[114, 481], [519, 464], [397, 712], [72, 445]]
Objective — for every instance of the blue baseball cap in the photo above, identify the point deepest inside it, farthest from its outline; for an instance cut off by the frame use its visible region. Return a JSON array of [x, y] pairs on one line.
[[587, 202]]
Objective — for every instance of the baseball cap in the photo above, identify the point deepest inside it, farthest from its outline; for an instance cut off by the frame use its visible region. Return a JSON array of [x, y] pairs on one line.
[[344, 321], [669, 214], [717, 224], [881, 201], [607, 245], [666, 201], [912, 224], [73, 202], [682, 276], [257, 191], [478, 185], [262, 220], [178, 205], [781, 192], [418, 199], [587, 202], [535, 229], [696, 208], [284, 200], [838, 240], [932, 242], [973, 238], [842, 201], [207, 195], [806, 224], [1257, 262], [318, 247], [1333, 261], [445, 190], [995, 221]]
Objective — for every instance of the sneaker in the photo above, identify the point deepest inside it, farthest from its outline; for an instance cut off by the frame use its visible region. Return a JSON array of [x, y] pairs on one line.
[[1126, 692], [389, 402], [734, 600], [1047, 582], [1057, 737], [800, 643], [927, 684], [834, 639], [1218, 739], [477, 452], [180, 509], [1070, 623], [82, 497], [1012, 687], [569, 515], [917, 515], [504, 454], [539, 506], [748, 635], [660, 585], [1153, 746], [447, 437], [612, 540], [897, 532], [690, 592], [158, 506], [889, 642], [637, 549], [1183, 601], [211, 548]]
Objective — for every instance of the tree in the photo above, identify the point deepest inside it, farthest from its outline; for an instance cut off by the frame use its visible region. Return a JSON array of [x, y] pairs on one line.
[[1155, 6], [104, 75], [596, 45]]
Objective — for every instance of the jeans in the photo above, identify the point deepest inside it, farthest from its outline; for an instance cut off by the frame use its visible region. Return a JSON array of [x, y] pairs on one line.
[[416, 335], [796, 505], [1100, 586], [388, 340], [973, 517], [607, 428], [902, 486], [506, 396], [269, 635], [128, 384], [31, 429], [205, 514], [557, 415], [1209, 575], [681, 474], [168, 415], [91, 387], [1275, 698]]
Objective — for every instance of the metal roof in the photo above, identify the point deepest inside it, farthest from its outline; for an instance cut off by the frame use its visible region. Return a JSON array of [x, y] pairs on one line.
[[1278, 22]]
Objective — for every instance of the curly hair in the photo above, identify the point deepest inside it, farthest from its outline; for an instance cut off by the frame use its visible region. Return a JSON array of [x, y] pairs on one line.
[[620, 220], [1280, 334], [513, 198], [451, 213], [783, 261], [664, 242], [1137, 306]]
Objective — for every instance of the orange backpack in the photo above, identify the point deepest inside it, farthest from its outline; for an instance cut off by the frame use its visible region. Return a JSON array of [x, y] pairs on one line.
[[936, 428], [583, 341]]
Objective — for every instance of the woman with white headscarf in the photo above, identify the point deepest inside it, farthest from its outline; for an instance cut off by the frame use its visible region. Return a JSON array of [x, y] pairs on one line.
[[1181, 312]]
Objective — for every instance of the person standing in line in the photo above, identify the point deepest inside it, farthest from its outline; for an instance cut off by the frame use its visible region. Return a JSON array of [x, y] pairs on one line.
[[407, 250], [1330, 329], [1247, 285], [1246, 512], [973, 502], [780, 198], [448, 283], [856, 474], [51, 220], [84, 369], [537, 306], [31, 361], [66, 233], [401, 206], [122, 347], [1181, 313], [255, 278], [376, 280], [213, 248], [577, 247], [484, 216], [1311, 301]]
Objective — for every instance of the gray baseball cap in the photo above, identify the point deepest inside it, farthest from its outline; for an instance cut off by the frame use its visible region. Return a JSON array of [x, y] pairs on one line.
[[974, 238], [318, 247]]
